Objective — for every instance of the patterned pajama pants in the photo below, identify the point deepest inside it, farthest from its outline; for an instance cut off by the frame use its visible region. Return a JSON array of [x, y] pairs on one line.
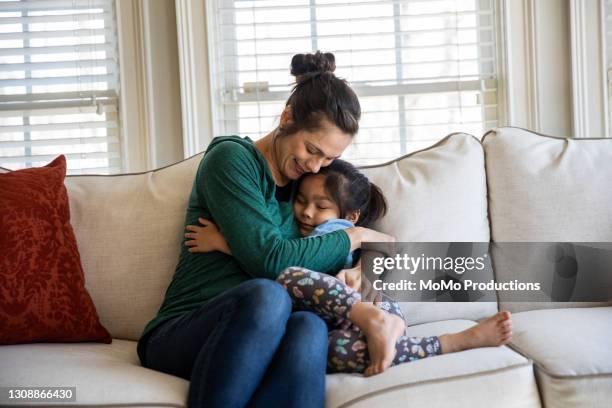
[[332, 300]]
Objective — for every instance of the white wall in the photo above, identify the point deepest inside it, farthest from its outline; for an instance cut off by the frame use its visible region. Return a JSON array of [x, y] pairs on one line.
[[537, 54], [163, 82], [553, 50], [150, 84], [554, 66]]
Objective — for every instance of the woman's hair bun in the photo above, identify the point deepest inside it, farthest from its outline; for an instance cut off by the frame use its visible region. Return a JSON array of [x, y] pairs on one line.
[[317, 63]]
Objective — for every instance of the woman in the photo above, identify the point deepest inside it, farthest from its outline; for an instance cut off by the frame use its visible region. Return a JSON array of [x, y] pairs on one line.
[[225, 324]]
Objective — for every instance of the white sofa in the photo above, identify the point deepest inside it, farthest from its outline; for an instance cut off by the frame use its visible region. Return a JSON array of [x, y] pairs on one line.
[[514, 186]]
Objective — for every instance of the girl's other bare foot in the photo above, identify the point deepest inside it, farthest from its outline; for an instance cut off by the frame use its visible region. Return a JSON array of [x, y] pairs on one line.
[[382, 331], [492, 332]]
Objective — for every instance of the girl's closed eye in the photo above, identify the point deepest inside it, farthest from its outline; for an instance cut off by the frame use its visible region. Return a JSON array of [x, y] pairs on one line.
[[312, 205]]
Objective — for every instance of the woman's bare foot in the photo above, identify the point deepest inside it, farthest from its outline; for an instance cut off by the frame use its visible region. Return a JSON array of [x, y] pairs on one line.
[[382, 331], [492, 332]]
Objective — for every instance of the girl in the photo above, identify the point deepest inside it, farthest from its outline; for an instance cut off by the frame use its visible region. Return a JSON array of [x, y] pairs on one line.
[[364, 337]]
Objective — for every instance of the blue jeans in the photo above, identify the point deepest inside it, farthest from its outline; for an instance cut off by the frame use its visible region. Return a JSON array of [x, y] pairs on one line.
[[244, 346]]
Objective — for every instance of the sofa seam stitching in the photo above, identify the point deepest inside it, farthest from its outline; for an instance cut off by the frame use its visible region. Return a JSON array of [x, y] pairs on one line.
[[435, 380], [540, 367]]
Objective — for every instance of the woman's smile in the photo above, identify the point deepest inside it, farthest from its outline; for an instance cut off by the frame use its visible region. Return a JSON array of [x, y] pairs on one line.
[[298, 169]]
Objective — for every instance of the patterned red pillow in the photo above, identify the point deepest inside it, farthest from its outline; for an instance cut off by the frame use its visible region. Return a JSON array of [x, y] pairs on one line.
[[42, 288]]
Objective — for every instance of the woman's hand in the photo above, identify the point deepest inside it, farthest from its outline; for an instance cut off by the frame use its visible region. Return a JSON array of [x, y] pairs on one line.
[[351, 277], [358, 235], [205, 238], [370, 235]]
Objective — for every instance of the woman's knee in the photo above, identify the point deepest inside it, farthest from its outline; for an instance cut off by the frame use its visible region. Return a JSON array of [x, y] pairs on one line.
[[306, 337], [267, 301], [308, 327]]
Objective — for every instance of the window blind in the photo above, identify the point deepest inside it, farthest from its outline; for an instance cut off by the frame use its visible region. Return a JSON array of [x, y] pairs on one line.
[[422, 68], [59, 83]]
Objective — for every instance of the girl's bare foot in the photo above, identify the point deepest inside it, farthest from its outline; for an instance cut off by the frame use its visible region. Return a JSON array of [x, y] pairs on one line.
[[382, 331], [492, 332]]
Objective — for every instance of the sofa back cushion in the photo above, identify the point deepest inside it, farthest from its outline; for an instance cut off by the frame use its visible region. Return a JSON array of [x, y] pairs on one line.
[[546, 189], [129, 229], [437, 195]]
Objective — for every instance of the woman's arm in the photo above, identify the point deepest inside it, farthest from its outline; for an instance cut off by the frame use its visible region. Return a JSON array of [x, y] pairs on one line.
[[208, 238], [232, 189]]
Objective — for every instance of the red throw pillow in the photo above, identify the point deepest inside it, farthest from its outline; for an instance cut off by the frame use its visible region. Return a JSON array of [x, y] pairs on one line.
[[42, 288]]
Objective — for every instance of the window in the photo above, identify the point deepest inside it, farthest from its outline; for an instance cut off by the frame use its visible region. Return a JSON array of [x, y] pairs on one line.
[[422, 68], [59, 84]]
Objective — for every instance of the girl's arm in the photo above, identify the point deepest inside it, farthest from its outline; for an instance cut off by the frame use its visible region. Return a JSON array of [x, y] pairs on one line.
[[206, 238]]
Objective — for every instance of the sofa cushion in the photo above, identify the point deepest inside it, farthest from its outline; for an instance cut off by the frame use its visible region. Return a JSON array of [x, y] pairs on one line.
[[571, 352], [546, 189], [437, 195], [42, 289], [107, 375], [538, 184], [472, 378], [129, 228], [103, 375], [566, 342]]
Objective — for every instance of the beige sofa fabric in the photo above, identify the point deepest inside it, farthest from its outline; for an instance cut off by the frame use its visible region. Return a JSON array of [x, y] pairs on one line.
[[474, 378], [575, 392], [572, 351], [566, 342], [546, 189], [129, 231], [103, 374], [437, 195]]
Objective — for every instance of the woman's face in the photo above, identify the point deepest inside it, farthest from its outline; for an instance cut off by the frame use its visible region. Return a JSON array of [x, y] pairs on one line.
[[308, 151]]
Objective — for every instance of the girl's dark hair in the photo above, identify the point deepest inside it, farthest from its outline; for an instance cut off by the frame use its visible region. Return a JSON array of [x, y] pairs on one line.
[[352, 191], [319, 95]]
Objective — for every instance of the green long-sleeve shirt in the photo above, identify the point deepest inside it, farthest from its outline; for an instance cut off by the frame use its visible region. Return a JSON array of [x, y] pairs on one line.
[[235, 189]]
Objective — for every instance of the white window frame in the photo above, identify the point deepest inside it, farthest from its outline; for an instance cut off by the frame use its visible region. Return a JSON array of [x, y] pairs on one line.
[[133, 107], [192, 18], [589, 84], [197, 79], [531, 102]]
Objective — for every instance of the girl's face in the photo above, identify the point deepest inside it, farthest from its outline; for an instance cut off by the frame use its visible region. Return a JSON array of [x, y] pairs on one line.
[[308, 151], [313, 205]]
